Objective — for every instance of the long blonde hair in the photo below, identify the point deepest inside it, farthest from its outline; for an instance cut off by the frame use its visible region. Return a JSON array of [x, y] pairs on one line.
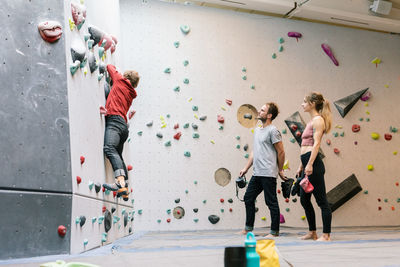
[[323, 107]]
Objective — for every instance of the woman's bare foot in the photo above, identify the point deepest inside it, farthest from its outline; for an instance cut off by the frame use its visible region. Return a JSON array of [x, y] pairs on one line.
[[310, 235], [271, 236], [324, 237]]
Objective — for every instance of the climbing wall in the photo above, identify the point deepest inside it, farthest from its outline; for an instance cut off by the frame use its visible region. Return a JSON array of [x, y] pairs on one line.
[[86, 95], [35, 180], [191, 59]]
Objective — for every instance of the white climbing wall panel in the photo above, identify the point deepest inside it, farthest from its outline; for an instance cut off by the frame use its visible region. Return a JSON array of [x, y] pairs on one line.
[[219, 44], [85, 96]]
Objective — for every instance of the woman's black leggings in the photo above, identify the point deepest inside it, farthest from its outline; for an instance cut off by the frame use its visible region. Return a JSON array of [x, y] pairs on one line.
[[319, 192]]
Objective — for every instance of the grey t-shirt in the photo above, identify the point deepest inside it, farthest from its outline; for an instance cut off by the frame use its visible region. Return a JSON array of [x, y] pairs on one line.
[[265, 160]]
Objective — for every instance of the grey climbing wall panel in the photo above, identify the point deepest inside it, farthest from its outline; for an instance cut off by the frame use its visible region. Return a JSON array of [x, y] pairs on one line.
[[29, 223], [35, 148]]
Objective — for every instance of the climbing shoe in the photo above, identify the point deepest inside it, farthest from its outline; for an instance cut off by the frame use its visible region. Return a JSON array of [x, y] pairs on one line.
[[112, 187]]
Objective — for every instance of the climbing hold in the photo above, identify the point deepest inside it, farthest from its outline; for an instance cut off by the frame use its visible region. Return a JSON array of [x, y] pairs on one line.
[[366, 192], [203, 118], [220, 119], [335, 134], [113, 209], [280, 48], [204, 201], [238, 146], [168, 211], [177, 200], [71, 24], [336, 151], [273, 55], [195, 126], [104, 238], [178, 135], [222, 210], [78, 179], [247, 116], [284, 131], [212, 141], [195, 135], [292, 140], [244, 77], [303, 217], [228, 102], [82, 220], [159, 135], [393, 129], [286, 165], [386, 200], [187, 154], [221, 200], [370, 167], [99, 77], [186, 125], [376, 61], [245, 147], [230, 200], [92, 62], [77, 220], [125, 219], [379, 208], [367, 119], [278, 191], [287, 209], [78, 14], [140, 212], [168, 220], [246, 156], [97, 187], [176, 126], [244, 69], [74, 67], [388, 137], [90, 184], [395, 152], [345, 104], [298, 134], [167, 70], [195, 182], [213, 219], [286, 200], [186, 81], [294, 200], [100, 220], [253, 86], [196, 220], [185, 63], [82, 159], [397, 183], [296, 35], [195, 108], [375, 136], [342, 134], [176, 44], [177, 89], [293, 127], [281, 219], [355, 128], [329, 52], [90, 44], [62, 230], [101, 51], [168, 143], [50, 31], [94, 219], [185, 29], [223, 108]]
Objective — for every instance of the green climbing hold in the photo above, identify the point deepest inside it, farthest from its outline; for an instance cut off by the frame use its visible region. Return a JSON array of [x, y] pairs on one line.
[[230, 200], [140, 133], [168, 116], [280, 48], [187, 191], [101, 51], [177, 89], [90, 44], [287, 209], [335, 134], [393, 129], [167, 70], [367, 119], [203, 118], [366, 192], [281, 40], [185, 63], [100, 76], [123, 211], [176, 44], [253, 86], [221, 127], [244, 69], [159, 135], [187, 154], [86, 37], [168, 143], [196, 220], [386, 200], [74, 67], [361, 119], [244, 77], [284, 131], [204, 201], [185, 29], [168, 211], [85, 241], [195, 182], [237, 137], [342, 134], [186, 125], [91, 184], [101, 219], [159, 221], [398, 200], [129, 140], [292, 140], [186, 81], [195, 108], [222, 210], [238, 146], [83, 64], [77, 220], [273, 55], [94, 219], [195, 135], [107, 192], [246, 156], [140, 212]]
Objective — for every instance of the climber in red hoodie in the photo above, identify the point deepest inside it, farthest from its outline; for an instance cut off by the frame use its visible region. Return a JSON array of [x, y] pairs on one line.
[[118, 103]]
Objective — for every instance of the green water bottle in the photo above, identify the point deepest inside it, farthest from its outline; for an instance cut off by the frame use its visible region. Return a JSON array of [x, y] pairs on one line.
[[252, 257]]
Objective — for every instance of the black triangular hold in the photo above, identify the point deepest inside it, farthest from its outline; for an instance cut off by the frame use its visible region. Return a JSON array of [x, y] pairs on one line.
[[125, 219], [213, 219], [107, 221], [82, 220], [97, 187], [295, 123], [344, 105], [343, 192]]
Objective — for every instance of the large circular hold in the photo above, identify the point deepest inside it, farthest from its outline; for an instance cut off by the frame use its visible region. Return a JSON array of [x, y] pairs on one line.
[[222, 176], [247, 116], [213, 219], [178, 212]]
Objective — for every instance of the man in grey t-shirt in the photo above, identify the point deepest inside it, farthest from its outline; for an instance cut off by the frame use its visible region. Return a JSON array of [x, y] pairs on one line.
[[267, 159]]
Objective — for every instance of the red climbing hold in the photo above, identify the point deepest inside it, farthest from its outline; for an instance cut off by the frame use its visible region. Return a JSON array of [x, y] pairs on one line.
[[397, 183], [78, 179], [178, 135], [293, 127], [355, 128], [230, 209], [114, 193], [279, 191], [62, 230], [337, 151], [379, 208], [221, 119], [131, 114], [130, 168], [82, 159], [392, 207], [168, 220], [176, 126], [388, 137], [221, 200], [287, 200], [131, 190], [178, 212], [298, 133], [104, 209], [228, 101], [104, 189], [379, 200]]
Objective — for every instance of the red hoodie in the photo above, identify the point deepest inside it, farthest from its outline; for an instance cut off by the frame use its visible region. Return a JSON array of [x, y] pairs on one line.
[[121, 95]]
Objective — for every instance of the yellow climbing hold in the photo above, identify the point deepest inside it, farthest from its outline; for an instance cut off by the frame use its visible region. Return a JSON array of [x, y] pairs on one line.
[[263, 218], [195, 115], [376, 61], [366, 104], [370, 167], [85, 70], [71, 24], [223, 108], [162, 117], [212, 141], [338, 126], [394, 152], [163, 125], [252, 130], [387, 85], [190, 99], [367, 112], [303, 217], [375, 136], [286, 165]]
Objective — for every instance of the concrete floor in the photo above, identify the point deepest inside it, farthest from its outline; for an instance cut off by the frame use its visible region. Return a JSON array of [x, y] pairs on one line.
[[350, 247]]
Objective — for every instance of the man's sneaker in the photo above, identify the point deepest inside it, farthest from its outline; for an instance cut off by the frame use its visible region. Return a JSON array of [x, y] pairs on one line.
[[112, 187]]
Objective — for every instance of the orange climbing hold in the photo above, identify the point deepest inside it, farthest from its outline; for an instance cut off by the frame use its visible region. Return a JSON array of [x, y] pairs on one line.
[[78, 179], [82, 160], [130, 167], [178, 135]]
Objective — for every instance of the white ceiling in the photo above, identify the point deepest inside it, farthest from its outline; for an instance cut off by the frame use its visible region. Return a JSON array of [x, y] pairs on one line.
[[353, 13]]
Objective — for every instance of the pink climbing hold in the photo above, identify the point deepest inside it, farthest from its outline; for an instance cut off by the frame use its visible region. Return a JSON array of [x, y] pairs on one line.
[[178, 135], [168, 220], [130, 167], [50, 31], [282, 219], [327, 49], [103, 110], [228, 101], [62, 230], [366, 96], [78, 179], [78, 14], [221, 119], [328, 142], [336, 151], [131, 114], [296, 35], [82, 159]]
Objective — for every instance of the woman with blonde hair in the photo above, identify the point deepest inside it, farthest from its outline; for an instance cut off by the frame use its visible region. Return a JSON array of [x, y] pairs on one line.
[[312, 166]]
